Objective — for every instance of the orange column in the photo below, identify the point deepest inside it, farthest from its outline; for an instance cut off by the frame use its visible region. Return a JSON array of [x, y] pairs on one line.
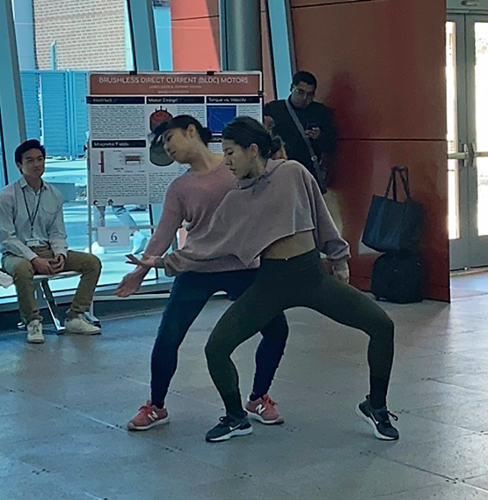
[[381, 66], [195, 35]]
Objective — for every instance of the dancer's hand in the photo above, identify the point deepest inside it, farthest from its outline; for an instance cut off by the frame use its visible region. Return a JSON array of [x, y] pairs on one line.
[[341, 274], [131, 282], [147, 261]]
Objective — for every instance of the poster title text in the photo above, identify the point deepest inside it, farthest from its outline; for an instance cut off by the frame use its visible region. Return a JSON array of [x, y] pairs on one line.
[[175, 79]]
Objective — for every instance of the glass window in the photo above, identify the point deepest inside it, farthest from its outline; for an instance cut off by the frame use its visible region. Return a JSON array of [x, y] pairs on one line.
[[481, 75], [279, 29], [452, 126], [58, 44], [162, 26]]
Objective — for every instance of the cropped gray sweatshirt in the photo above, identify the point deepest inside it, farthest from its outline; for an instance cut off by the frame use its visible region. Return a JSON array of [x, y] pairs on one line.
[[283, 201]]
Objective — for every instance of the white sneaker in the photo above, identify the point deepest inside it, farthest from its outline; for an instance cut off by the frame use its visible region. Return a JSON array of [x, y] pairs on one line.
[[80, 325], [34, 332], [96, 249], [139, 242]]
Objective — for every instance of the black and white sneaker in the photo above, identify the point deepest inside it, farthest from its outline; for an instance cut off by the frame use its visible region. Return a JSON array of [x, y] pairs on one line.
[[228, 428], [379, 420]]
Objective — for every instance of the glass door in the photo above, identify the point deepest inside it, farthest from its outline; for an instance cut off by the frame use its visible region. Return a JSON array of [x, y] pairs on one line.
[[467, 109]]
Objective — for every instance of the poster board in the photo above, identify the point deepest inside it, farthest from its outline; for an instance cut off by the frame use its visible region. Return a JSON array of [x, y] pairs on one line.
[[125, 108]]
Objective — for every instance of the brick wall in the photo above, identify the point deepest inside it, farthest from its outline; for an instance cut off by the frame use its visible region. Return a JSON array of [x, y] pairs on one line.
[[89, 35]]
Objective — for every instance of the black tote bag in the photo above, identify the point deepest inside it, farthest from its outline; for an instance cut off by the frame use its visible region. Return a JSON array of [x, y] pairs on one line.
[[393, 225]]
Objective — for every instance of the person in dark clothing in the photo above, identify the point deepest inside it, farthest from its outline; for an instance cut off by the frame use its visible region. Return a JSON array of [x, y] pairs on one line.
[[316, 118], [193, 197], [277, 212]]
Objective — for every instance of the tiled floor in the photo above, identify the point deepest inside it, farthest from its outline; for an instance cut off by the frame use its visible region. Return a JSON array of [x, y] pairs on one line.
[[63, 407]]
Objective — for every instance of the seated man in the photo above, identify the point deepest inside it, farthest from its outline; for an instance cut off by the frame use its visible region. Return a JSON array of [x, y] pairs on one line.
[[33, 241]]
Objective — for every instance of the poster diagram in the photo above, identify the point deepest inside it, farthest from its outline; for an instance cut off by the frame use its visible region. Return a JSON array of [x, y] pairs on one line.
[[219, 116], [125, 109]]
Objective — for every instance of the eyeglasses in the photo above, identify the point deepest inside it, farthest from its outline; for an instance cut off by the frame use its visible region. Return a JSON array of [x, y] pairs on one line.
[[303, 93]]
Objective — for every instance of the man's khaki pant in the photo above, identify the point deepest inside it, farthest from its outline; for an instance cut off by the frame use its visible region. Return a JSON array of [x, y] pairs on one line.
[[22, 272]]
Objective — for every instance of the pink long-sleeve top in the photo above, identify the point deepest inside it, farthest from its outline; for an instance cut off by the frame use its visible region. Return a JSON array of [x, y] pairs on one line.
[[194, 197], [283, 201]]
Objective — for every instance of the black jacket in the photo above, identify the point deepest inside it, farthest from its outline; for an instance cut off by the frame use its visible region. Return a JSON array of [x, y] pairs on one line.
[[317, 114]]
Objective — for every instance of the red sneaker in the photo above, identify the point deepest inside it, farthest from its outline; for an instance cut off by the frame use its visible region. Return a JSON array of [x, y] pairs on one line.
[[148, 416], [263, 410]]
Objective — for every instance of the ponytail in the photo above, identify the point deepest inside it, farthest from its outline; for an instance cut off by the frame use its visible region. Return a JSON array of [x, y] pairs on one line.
[[276, 145]]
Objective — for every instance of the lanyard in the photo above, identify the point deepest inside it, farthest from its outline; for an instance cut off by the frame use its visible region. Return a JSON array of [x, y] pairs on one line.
[[32, 217]]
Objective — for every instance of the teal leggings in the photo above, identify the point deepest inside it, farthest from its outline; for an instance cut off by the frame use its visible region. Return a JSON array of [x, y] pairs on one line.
[[298, 282]]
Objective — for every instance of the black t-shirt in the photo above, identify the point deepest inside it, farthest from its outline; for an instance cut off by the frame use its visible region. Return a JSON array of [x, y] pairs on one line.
[[316, 113]]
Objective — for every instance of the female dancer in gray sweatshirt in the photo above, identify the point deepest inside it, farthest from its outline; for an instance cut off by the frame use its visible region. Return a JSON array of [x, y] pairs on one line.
[[278, 213]]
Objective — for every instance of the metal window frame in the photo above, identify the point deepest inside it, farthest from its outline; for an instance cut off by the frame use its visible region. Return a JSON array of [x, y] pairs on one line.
[[282, 45], [467, 6], [143, 35], [142, 32], [10, 91], [3, 165]]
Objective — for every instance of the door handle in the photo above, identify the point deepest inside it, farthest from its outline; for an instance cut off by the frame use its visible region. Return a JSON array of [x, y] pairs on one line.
[[457, 156], [464, 156], [468, 155]]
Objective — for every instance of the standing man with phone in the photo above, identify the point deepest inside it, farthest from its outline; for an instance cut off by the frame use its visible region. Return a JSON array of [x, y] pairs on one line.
[[307, 127]]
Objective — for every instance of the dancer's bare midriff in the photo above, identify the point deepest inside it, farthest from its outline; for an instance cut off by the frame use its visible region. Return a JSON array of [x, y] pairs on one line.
[[290, 246]]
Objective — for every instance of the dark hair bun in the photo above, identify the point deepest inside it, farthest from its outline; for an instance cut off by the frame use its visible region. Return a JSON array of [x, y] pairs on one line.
[[205, 135], [276, 144]]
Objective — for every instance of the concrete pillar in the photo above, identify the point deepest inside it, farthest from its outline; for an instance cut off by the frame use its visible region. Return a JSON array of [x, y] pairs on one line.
[[240, 35]]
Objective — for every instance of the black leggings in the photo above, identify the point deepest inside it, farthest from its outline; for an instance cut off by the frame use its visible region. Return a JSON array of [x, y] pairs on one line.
[[297, 282], [190, 293]]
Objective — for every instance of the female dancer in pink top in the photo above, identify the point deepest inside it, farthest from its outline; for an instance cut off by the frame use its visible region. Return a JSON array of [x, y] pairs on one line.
[[193, 198], [278, 213]]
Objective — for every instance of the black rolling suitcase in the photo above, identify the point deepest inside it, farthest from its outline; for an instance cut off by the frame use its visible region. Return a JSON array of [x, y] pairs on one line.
[[397, 277]]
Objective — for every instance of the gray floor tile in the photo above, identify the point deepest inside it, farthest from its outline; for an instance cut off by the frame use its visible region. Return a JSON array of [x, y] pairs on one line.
[[448, 491], [479, 481], [450, 457], [471, 415], [10, 467], [141, 477], [64, 406], [417, 429], [477, 382], [41, 486], [416, 394]]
